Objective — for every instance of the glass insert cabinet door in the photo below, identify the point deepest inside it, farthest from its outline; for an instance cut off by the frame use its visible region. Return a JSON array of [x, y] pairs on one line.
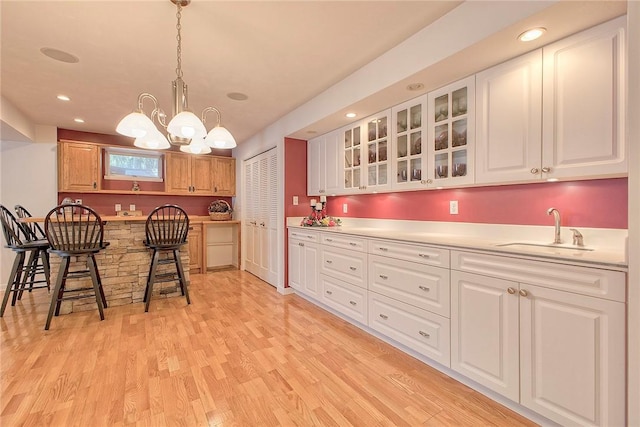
[[451, 133], [378, 129], [409, 136], [352, 157]]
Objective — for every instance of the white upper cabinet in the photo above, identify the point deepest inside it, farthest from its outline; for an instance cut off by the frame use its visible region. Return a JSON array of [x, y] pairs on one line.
[[352, 149], [377, 165], [509, 120], [323, 172], [451, 134], [583, 108], [408, 151]]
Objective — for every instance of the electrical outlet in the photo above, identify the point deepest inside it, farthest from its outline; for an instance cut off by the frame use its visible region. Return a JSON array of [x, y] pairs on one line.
[[295, 200], [453, 207], [78, 201], [132, 207], [344, 208], [118, 207]]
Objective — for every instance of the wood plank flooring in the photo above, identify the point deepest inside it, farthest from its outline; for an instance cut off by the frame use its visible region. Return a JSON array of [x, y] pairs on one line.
[[240, 355]]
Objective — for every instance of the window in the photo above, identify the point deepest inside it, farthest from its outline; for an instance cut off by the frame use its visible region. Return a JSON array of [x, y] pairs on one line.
[[130, 164]]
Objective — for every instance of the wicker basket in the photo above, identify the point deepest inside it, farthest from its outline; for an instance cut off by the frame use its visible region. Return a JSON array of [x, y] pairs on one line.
[[221, 216]]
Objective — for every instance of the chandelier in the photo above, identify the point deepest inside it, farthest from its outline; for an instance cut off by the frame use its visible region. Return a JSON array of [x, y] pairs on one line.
[[185, 129]]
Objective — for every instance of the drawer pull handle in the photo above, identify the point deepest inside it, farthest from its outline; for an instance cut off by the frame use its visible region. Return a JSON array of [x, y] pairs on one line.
[[352, 244], [424, 288], [423, 256], [309, 237], [352, 268], [300, 244], [383, 249], [329, 292], [424, 334], [511, 290], [384, 316], [353, 303], [328, 261], [382, 276], [524, 293], [329, 240]]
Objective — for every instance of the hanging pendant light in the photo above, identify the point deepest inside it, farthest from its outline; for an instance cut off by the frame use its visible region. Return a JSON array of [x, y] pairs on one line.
[[185, 129]]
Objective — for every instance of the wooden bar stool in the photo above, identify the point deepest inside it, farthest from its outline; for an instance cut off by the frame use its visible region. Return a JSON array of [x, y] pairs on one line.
[[166, 231], [17, 239], [75, 231], [34, 233]]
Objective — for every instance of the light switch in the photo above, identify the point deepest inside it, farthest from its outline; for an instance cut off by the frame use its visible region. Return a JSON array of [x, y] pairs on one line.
[[295, 200], [132, 207], [118, 207], [344, 208]]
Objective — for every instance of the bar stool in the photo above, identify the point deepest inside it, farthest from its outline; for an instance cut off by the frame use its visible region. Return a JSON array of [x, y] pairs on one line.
[[34, 232], [166, 231], [17, 239], [75, 231]]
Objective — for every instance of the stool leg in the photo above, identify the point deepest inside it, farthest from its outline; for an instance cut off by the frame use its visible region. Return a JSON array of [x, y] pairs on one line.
[[17, 282], [29, 272], [17, 266], [151, 279], [64, 266], [97, 287], [182, 281], [65, 272], [44, 257], [104, 300]]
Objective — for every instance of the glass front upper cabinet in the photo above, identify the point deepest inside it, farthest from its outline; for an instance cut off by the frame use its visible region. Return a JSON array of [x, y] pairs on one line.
[[352, 157], [409, 151], [451, 133], [377, 151]]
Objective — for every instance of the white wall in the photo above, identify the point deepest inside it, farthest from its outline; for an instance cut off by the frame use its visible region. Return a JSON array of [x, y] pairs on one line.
[[28, 174]]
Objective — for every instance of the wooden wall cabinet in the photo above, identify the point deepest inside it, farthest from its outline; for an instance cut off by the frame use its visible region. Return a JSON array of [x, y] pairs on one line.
[[188, 174], [224, 176], [78, 167]]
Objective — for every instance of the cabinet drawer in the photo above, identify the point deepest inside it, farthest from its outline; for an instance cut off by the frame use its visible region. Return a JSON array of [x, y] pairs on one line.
[[410, 252], [345, 298], [420, 285], [420, 330], [347, 242], [582, 280], [307, 236], [343, 264]]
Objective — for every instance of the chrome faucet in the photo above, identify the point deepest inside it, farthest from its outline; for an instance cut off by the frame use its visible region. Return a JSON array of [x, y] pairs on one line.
[[556, 217], [578, 239]]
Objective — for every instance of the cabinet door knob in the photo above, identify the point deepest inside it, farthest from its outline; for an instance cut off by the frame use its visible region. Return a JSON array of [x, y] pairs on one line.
[[300, 244], [352, 268], [328, 261], [328, 292], [546, 169], [535, 171], [511, 290], [95, 185], [329, 240], [262, 224], [424, 334], [382, 276], [424, 288], [383, 249], [352, 244], [353, 303], [383, 316], [429, 181], [524, 293]]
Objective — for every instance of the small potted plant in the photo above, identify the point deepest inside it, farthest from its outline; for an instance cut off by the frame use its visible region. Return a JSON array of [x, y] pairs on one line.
[[220, 210]]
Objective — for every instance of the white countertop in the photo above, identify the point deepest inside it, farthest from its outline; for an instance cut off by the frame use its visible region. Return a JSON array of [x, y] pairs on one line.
[[602, 256]]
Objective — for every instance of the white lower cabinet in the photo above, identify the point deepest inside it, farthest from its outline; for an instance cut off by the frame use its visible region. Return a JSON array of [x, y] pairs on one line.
[[558, 353], [303, 262], [422, 331], [345, 298]]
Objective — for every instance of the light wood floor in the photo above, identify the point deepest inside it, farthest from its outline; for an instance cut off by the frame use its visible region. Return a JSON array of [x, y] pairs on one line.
[[240, 355]]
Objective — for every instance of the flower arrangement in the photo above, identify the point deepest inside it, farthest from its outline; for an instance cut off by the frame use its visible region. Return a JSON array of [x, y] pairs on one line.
[[314, 221], [220, 210]]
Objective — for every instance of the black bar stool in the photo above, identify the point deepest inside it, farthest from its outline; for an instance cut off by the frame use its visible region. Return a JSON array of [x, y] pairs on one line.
[[18, 240], [166, 231], [34, 233], [75, 231]]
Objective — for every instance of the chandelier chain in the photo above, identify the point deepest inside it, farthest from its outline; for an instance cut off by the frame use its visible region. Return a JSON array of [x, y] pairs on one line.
[[179, 39]]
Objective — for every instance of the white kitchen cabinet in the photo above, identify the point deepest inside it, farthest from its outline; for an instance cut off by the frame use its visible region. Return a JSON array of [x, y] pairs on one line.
[[422, 331], [343, 264], [303, 262], [430, 255], [323, 173], [408, 150], [509, 121], [451, 134], [352, 151], [584, 88], [542, 339], [345, 298]]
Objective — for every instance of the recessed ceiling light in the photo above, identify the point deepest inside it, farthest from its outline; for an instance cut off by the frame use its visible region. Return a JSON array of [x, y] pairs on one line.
[[531, 34], [350, 115], [59, 55], [63, 98], [415, 86], [552, 179], [78, 120], [237, 96]]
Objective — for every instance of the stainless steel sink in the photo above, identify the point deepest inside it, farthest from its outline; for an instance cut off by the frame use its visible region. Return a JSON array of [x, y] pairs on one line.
[[543, 245]]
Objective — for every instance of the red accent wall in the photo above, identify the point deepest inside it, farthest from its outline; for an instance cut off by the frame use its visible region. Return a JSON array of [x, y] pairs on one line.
[[104, 204], [295, 184], [595, 203]]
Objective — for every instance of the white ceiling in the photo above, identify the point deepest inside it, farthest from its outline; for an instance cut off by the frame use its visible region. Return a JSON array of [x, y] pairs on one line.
[[279, 53]]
